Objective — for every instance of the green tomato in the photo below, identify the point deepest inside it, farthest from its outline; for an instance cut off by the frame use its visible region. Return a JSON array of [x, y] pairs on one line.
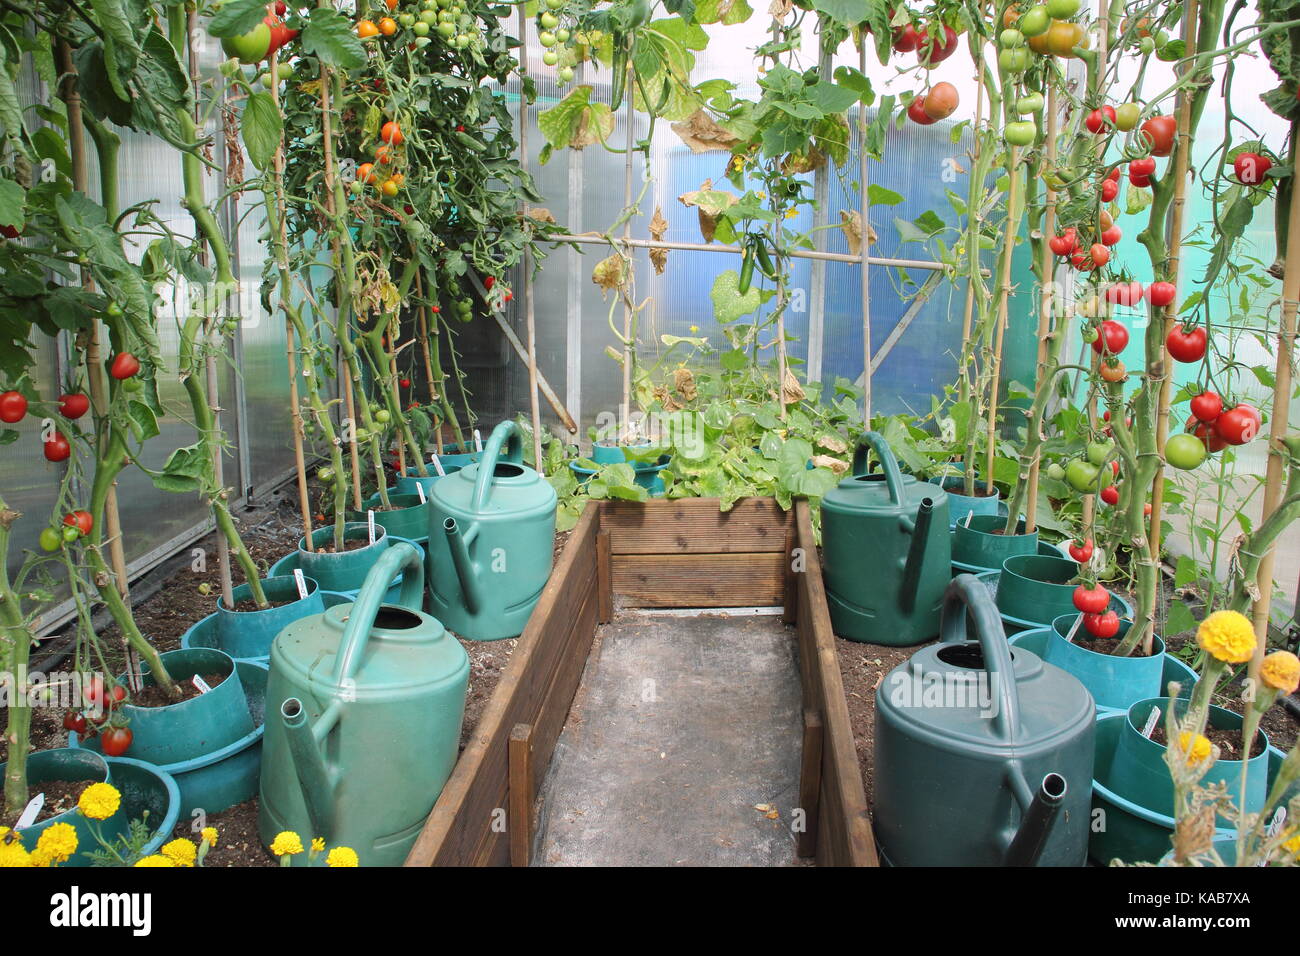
[[1147, 46], [1081, 475], [1062, 9], [1033, 103], [1185, 451], [362, 436], [550, 58], [421, 29], [325, 474], [70, 534], [428, 16], [1020, 133], [562, 35], [1127, 116], [406, 19], [554, 4], [133, 384], [546, 38], [266, 80], [446, 16], [1099, 451], [446, 30], [51, 538], [1089, 334], [565, 74], [1014, 60], [548, 21], [251, 47], [1055, 471], [382, 416], [1036, 21], [422, 42], [1011, 38]]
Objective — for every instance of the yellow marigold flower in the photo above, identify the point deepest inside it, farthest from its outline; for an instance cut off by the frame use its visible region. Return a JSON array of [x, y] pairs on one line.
[[40, 859], [57, 843], [99, 801], [1292, 845], [1281, 671], [182, 852], [1227, 636], [1197, 749], [286, 843], [318, 844], [342, 856], [154, 859], [13, 854], [209, 835]]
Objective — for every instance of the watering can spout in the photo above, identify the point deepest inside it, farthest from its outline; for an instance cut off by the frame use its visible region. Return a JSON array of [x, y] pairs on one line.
[[313, 775], [920, 530], [1027, 845], [464, 566]]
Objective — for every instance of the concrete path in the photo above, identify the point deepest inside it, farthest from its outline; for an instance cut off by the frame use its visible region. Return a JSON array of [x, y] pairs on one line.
[[681, 728]]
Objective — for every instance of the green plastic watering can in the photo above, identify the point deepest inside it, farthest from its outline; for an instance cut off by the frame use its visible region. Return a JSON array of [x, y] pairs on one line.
[[886, 551], [364, 707], [491, 541]]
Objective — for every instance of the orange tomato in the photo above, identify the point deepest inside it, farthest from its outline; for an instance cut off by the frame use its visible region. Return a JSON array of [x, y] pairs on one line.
[[391, 133], [389, 188], [366, 172], [366, 29], [384, 154], [1039, 43], [1114, 373], [399, 178], [392, 4], [1062, 37], [387, 26]]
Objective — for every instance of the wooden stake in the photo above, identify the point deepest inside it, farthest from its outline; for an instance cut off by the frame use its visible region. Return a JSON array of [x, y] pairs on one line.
[[529, 316], [422, 318], [1004, 298], [1045, 304], [864, 204]]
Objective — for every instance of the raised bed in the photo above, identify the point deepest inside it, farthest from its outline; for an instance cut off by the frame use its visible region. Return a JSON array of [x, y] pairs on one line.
[[661, 554]]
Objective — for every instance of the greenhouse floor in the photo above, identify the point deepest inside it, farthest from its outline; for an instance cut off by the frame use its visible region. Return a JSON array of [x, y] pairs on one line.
[[681, 748]]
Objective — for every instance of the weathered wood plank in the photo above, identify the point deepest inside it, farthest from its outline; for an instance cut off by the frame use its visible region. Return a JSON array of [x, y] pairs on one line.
[[520, 812], [844, 829], [810, 781], [694, 526], [604, 585], [700, 580]]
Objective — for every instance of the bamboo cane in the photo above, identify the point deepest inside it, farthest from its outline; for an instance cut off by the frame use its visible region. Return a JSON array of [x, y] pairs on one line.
[[1045, 304], [864, 204], [1181, 164], [529, 315], [625, 412], [423, 325], [1278, 423], [1004, 302]]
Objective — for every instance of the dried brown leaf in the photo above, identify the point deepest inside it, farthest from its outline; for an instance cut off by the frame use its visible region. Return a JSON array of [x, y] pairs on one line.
[[702, 134], [851, 225], [610, 273], [791, 390], [541, 214]]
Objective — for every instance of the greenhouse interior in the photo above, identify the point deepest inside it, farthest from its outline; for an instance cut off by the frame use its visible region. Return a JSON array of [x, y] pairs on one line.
[[642, 433]]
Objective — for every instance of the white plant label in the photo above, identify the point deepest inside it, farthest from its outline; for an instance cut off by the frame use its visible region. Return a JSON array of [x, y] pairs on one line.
[[1152, 718], [1074, 629], [419, 490], [969, 515], [301, 581], [370, 521], [437, 466], [200, 683], [28, 816], [478, 441]]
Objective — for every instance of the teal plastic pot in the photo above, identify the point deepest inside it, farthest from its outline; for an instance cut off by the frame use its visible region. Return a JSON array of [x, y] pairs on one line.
[[1114, 682], [65, 763], [959, 505], [1036, 589], [606, 453], [204, 632], [228, 775], [1139, 774], [194, 727], [409, 519], [407, 483], [149, 793], [1172, 670], [1128, 830], [290, 561], [248, 634], [646, 474], [453, 457], [344, 571], [980, 544]]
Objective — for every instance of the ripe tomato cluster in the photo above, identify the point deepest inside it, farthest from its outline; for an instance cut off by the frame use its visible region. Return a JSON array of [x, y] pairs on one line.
[[387, 154]]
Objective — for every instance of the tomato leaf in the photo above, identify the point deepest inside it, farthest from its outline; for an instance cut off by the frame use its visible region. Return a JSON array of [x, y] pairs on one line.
[[329, 35], [13, 202], [261, 126]]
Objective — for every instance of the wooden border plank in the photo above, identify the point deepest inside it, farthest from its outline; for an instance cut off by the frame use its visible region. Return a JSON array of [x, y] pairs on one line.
[[695, 526], [721, 579], [604, 580], [520, 813], [810, 781]]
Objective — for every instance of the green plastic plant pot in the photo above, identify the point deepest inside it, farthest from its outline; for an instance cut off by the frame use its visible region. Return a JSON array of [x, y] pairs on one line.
[[248, 634], [194, 727], [203, 633], [66, 763], [407, 483], [1139, 773], [960, 505], [145, 789], [408, 519], [345, 571], [980, 545], [1115, 683], [1036, 589]]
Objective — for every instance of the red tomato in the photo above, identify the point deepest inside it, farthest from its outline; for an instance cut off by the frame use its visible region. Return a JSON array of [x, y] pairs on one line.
[[1250, 168], [1159, 131], [404, 382], [1160, 294], [917, 114], [125, 365], [1063, 244], [930, 54], [73, 405], [13, 406], [1110, 494], [1142, 167], [75, 722], [1186, 345], [1105, 624], [489, 282], [1099, 120], [1081, 551], [906, 38], [1091, 600], [1109, 190], [57, 448], [81, 520], [941, 101], [1205, 432], [1207, 406], [1099, 253], [1238, 425], [1113, 338], [116, 741], [1141, 182], [391, 133], [1124, 293], [1114, 174], [1111, 236]]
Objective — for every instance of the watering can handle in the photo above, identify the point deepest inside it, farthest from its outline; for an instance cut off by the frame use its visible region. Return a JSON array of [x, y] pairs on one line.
[[487, 466], [893, 475], [402, 558], [966, 595]]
